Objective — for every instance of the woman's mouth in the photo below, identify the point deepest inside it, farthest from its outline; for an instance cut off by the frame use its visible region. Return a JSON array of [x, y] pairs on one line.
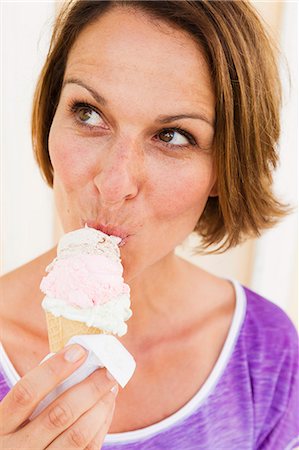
[[110, 230]]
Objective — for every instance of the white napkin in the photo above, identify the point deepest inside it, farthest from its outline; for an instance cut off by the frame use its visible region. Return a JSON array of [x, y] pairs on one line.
[[104, 351]]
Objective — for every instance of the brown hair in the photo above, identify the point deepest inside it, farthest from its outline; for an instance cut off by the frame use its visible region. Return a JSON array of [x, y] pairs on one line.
[[248, 97]]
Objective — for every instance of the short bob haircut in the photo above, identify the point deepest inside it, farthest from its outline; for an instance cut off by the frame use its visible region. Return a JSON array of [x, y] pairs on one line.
[[241, 59]]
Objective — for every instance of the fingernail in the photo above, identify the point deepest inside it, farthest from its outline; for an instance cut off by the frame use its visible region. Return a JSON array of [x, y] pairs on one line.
[[109, 376], [74, 353], [114, 389]]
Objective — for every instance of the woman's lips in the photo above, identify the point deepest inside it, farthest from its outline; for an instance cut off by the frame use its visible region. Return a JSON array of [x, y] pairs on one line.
[[110, 230]]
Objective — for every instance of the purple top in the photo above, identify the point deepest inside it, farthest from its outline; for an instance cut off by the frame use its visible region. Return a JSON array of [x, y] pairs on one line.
[[250, 401]]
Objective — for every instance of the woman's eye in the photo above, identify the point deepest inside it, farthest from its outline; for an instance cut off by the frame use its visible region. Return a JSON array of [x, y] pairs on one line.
[[88, 116], [176, 137]]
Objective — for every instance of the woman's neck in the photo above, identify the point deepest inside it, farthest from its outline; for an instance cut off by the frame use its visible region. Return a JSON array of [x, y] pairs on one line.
[[164, 299]]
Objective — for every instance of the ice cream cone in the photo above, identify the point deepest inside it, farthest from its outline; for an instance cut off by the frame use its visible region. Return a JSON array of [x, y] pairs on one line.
[[84, 285], [60, 330]]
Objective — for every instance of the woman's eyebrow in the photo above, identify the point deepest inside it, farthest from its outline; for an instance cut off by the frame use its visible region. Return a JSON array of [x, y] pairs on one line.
[[198, 116], [101, 100], [160, 119]]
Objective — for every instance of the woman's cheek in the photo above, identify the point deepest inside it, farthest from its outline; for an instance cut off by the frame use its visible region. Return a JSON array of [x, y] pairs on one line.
[[72, 158], [185, 191]]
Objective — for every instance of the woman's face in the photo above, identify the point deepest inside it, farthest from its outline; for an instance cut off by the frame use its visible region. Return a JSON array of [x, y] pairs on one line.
[[120, 162]]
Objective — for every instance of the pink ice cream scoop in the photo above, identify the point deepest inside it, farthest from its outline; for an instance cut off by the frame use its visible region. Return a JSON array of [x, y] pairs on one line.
[[85, 280]]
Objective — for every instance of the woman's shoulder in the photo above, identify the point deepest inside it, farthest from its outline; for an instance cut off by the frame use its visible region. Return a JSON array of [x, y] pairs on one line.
[[267, 345], [266, 356], [15, 287], [22, 321], [12, 290], [266, 322], [22, 283]]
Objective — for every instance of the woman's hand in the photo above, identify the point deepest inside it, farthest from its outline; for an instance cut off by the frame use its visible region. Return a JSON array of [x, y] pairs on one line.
[[78, 419]]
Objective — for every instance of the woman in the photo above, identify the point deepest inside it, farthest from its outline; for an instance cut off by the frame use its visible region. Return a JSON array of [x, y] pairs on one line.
[[151, 120]]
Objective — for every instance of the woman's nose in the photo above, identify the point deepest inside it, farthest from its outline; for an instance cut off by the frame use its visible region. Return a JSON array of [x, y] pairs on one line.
[[118, 176]]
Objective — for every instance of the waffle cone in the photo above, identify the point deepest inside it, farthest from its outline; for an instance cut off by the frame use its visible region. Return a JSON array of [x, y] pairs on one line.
[[60, 330]]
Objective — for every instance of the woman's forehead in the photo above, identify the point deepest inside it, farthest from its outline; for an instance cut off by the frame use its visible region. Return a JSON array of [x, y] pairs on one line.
[[123, 51]]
